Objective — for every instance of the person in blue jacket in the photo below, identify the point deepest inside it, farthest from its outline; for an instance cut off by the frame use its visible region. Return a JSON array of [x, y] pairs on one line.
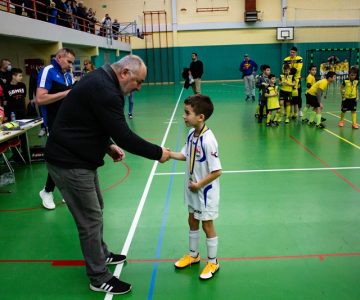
[[248, 67], [54, 83]]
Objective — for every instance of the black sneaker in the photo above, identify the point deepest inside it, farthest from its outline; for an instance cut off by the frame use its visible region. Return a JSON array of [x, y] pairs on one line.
[[253, 98], [130, 116], [311, 123], [115, 259], [321, 126], [305, 120], [247, 98], [114, 286], [323, 119]]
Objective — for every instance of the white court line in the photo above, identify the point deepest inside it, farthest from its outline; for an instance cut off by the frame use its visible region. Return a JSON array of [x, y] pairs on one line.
[[336, 116], [270, 170], [136, 219], [231, 85]]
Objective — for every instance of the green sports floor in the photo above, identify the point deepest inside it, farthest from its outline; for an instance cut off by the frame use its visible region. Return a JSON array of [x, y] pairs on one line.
[[289, 225]]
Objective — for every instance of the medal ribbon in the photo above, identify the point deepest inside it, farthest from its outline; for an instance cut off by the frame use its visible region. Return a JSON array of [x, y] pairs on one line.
[[193, 149]]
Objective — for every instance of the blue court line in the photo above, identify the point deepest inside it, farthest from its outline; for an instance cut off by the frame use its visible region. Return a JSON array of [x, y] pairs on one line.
[[164, 218]]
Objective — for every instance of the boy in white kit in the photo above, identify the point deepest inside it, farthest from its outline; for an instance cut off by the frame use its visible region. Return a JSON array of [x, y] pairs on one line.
[[202, 189]]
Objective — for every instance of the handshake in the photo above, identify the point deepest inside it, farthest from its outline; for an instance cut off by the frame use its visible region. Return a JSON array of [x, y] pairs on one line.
[[165, 155]]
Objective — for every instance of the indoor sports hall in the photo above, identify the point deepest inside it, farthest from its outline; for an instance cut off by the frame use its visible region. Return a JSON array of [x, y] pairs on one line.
[[289, 213]]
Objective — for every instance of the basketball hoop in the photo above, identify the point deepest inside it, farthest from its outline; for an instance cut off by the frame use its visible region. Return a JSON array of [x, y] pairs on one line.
[[284, 33]]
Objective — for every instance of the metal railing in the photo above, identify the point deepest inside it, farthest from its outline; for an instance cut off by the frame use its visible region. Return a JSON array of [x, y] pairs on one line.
[[40, 11]]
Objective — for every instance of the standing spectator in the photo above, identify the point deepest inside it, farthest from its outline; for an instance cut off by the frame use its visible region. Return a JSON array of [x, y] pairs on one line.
[[5, 77], [29, 8], [54, 83], [69, 18], [90, 119], [295, 61], [88, 66], [115, 29], [53, 13], [18, 6], [15, 94], [74, 12], [33, 105], [91, 16], [62, 16], [105, 25], [196, 71], [82, 14], [248, 67], [42, 9], [5, 71]]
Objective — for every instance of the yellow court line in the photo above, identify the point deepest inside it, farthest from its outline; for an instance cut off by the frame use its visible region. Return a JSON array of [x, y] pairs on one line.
[[341, 138]]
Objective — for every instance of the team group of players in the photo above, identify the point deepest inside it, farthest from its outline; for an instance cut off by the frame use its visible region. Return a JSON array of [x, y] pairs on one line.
[[283, 102]]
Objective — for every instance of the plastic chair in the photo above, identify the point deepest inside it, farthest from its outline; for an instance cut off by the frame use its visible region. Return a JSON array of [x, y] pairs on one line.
[[15, 143], [3, 148]]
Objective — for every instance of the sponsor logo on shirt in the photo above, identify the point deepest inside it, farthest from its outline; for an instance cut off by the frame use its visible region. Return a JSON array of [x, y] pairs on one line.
[[215, 154]]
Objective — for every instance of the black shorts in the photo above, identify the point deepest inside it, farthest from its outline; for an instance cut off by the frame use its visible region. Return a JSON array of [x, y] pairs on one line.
[[285, 96], [307, 99], [294, 100], [348, 105], [313, 101]]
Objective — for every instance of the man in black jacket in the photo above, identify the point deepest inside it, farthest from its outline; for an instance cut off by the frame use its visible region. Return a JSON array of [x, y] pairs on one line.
[[91, 123], [196, 71]]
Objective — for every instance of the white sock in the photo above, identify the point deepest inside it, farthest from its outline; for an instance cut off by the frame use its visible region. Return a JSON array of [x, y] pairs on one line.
[[194, 237], [211, 245]]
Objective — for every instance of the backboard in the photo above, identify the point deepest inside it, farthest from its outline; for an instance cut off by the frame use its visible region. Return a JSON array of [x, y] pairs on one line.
[[284, 33]]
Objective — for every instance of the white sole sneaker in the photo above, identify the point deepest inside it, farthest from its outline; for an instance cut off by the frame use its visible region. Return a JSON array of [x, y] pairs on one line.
[[47, 199]]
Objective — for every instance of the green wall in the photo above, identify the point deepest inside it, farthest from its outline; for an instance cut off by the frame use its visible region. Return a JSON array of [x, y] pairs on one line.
[[222, 62], [160, 64], [105, 56]]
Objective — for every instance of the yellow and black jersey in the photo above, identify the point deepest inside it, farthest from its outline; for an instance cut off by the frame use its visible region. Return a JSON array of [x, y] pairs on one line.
[[295, 88], [321, 84], [272, 98], [296, 62], [288, 79], [350, 88], [310, 81]]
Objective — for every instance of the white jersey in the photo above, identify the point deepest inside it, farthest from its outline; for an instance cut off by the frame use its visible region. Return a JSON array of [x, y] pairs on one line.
[[204, 203]]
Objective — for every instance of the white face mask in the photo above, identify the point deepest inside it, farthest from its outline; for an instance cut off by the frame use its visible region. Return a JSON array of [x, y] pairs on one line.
[[8, 68]]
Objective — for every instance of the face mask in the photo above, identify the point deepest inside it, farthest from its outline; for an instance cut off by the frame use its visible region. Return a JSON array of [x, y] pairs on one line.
[[8, 68]]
